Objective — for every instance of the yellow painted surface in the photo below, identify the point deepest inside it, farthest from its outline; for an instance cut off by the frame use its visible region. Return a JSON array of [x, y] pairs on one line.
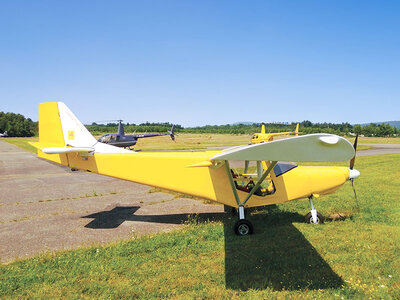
[[187, 172], [174, 171], [303, 181], [263, 137], [71, 135], [50, 132]]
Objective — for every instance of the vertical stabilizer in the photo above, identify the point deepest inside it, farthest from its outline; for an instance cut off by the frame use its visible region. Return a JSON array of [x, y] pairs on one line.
[[121, 128], [50, 130], [59, 128], [75, 134], [263, 128]]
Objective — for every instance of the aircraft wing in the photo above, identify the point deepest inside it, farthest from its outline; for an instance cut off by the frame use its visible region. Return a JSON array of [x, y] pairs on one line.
[[312, 147]]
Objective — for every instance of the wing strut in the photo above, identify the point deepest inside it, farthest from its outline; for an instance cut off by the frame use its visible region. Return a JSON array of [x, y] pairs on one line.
[[243, 226], [262, 178], [228, 172], [254, 189]]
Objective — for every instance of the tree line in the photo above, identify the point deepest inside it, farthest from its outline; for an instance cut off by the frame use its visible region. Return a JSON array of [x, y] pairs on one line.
[[306, 127], [373, 129], [17, 125]]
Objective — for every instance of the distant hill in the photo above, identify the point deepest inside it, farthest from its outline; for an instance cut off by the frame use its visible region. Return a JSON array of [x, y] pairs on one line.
[[391, 123]]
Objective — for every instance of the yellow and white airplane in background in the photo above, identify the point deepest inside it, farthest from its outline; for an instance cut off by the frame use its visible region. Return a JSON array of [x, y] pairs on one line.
[[207, 174], [262, 137]]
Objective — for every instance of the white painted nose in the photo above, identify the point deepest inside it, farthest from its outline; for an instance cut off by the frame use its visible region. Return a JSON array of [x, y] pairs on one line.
[[353, 173]]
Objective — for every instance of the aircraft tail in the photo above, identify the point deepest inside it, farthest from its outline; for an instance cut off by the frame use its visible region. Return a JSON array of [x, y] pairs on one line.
[[296, 132], [60, 132], [263, 128], [121, 128], [74, 132], [58, 129]]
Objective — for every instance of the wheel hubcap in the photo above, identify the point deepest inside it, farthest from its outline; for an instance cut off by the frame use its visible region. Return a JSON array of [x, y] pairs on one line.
[[312, 221], [243, 229]]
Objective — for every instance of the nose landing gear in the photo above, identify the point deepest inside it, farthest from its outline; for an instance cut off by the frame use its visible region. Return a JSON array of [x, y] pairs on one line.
[[313, 217]]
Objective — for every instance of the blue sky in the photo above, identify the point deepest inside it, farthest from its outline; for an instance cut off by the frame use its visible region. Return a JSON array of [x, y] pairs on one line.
[[203, 62]]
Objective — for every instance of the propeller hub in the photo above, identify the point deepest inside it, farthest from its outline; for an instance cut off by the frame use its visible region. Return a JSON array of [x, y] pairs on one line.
[[353, 173]]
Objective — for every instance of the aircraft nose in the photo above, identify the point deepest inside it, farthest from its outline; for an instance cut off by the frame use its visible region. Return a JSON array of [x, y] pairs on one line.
[[353, 173]]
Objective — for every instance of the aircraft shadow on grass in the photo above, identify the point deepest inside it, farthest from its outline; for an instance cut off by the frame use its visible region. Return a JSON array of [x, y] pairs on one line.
[[277, 256]]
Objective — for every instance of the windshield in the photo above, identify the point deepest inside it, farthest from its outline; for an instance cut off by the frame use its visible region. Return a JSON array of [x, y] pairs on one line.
[[283, 167]]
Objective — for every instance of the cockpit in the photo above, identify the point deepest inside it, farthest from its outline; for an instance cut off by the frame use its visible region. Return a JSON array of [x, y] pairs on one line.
[[246, 181], [108, 138]]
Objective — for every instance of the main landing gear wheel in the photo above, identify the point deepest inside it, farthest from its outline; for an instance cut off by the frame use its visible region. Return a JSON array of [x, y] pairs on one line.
[[309, 219], [243, 227]]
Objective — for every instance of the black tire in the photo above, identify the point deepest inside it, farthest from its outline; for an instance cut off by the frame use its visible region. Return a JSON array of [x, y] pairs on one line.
[[309, 220], [243, 227]]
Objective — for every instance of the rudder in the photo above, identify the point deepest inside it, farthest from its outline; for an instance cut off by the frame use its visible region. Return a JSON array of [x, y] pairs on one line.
[[50, 129], [50, 132]]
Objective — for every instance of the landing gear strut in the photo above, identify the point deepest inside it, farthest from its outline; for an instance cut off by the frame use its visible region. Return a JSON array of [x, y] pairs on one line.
[[243, 226], [313, 217]]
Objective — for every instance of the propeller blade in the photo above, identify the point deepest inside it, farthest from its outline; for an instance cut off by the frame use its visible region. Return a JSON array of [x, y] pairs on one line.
[[172, 133], [352, 161]]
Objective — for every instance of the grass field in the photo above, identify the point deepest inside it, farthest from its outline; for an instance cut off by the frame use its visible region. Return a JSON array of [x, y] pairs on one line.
[[377, 140], [23, 142], [355, 254], [183, 141], [186, 141]]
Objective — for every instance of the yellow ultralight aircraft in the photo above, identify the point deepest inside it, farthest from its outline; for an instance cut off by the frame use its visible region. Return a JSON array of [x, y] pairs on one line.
[[262, 137], [207, 174]]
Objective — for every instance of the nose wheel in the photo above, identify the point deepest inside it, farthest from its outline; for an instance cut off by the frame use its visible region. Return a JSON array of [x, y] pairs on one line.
[[313, 217], [309, 218]]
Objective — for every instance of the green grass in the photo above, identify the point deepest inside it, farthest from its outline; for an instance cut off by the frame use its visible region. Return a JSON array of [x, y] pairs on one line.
[[362, 147], [357, 257], [23, 142], [377, 140], [192, 141], [183, 142], [187, 141]]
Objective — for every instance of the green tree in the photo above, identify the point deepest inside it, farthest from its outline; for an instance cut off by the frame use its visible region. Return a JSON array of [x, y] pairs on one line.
[[17, 125], [357, 129]]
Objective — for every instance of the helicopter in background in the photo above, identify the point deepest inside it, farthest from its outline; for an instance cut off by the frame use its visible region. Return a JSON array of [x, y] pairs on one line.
[[263, 137], [121, 139]]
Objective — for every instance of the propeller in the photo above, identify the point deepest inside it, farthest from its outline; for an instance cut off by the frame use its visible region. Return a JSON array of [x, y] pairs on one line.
[[352, 161], [352, 172]]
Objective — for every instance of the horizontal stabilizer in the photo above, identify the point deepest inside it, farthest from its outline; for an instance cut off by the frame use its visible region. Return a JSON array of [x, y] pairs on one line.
[[59, 150], [206, 163], [312, 147]]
